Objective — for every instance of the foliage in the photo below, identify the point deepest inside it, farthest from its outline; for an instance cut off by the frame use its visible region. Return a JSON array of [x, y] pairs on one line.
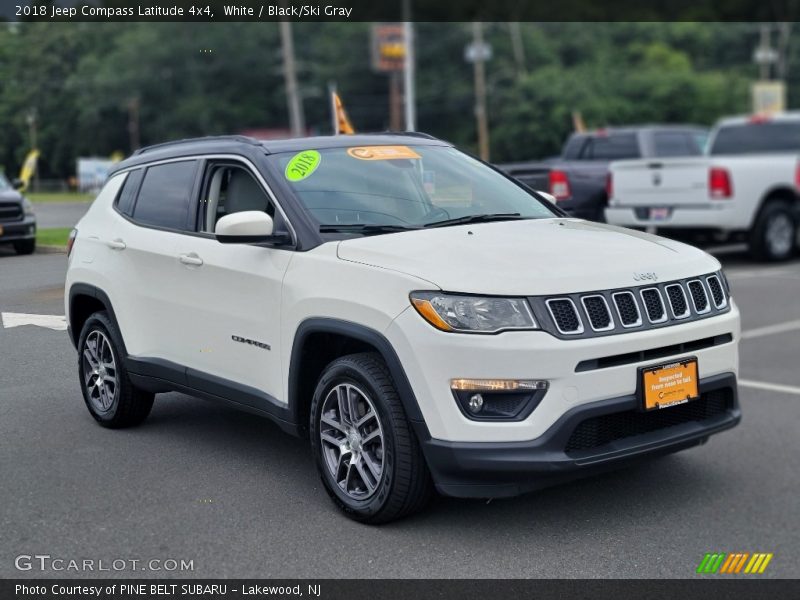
[[192, 79]]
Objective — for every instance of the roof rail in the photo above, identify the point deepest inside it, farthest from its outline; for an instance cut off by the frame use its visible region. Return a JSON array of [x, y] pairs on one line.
[[211, 138], [418, 134]]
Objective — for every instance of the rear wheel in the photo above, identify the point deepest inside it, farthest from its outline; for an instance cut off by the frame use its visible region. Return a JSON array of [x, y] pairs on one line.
[[774, 234], [367, 455], [25, 246], [108, 392]]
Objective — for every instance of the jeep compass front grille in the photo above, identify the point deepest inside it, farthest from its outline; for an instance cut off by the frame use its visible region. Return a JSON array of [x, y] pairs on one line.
[[677, 300], [597, 432], [717, 293], [565, 315], [609, 312], [626, 309], [597, 310], [654, 305]]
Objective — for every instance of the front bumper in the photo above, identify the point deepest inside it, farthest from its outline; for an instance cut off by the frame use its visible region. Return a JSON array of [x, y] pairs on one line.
[[497, 469], [13, 231]]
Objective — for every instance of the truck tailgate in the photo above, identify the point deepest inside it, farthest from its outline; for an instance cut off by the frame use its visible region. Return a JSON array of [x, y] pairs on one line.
[[660, 182]]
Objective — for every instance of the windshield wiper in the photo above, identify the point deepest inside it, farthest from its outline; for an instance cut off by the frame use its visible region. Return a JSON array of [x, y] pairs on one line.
[[364, 228], [476, 219]]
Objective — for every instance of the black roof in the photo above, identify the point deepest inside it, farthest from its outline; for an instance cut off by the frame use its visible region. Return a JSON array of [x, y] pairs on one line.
[[232, 143]]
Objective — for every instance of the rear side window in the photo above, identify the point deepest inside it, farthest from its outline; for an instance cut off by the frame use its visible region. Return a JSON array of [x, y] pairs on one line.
[[128, 193], [758, 138], [165, 195], [612, 147], [675, 143]]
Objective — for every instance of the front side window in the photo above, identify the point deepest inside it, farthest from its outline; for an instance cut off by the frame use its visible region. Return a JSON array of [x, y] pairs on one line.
[[4, 185], [230, 189], [403, 186], [165, 195]]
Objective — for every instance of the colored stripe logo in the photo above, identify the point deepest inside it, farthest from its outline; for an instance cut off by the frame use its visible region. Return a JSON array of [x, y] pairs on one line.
[[734, 563]]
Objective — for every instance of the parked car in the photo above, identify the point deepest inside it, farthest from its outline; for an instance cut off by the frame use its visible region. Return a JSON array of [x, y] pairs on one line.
[[422, 319], [577, 179], [17, 220], [744, 189]]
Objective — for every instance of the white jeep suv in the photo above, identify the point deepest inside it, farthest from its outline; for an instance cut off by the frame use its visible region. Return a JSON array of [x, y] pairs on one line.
[[424, 320]]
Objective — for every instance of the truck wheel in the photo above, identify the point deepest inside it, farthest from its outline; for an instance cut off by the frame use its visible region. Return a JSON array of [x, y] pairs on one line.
[[774, 234], [367, 455], [25, 246], [110, 396]]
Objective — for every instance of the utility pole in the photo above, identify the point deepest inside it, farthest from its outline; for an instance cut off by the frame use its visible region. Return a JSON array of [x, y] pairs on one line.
[[765, 48], [479, 72], [296, 119], [408, 69], [517, 48], [133, 123]]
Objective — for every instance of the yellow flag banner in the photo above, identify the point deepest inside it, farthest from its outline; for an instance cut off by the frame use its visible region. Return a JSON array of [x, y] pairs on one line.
[[28, 168], [343, 124]]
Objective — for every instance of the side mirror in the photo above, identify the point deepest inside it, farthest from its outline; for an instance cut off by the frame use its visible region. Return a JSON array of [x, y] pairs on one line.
[[549, 197], [18, 184], [248, 227]]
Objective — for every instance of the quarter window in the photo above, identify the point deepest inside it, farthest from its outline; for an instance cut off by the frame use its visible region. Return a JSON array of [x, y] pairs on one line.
[[165, 195], [127, 195]]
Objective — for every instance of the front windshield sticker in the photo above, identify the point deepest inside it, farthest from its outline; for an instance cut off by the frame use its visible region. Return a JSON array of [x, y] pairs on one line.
[[302, 165], [382, 152]]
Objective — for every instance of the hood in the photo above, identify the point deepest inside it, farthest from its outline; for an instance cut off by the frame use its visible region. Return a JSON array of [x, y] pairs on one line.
[[10, 196], [531, 257]]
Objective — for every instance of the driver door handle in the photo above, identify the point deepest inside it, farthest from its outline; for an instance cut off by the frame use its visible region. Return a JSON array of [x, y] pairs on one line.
[[191, 259], [116, 244]]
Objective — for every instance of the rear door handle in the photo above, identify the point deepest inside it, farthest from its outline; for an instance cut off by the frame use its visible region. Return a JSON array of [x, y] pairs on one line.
[[116, 244], [191, 259]]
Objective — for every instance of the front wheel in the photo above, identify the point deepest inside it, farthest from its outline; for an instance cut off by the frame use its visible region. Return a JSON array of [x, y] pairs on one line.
[[367, 455], [774, 234]]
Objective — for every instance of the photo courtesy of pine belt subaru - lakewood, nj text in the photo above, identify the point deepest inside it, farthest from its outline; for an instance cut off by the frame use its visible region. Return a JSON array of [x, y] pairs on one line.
[[425, 321]]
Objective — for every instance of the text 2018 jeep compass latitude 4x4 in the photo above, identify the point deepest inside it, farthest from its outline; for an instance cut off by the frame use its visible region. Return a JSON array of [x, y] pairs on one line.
[[423, 319]]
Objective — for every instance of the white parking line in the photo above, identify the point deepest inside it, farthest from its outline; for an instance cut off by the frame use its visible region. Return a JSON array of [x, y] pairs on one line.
[[771, 329], [770, 387], [54, 322]]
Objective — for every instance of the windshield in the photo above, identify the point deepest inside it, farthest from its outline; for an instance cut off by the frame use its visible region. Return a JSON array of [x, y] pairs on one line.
[[757, 138], [4, 185], [401, 186]]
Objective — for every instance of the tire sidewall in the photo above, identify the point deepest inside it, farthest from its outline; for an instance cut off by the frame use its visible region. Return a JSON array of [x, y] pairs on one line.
[[98, 323], [337, 373], [769, 214]]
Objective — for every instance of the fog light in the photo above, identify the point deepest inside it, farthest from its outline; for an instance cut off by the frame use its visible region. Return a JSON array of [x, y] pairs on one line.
[[476, 403], [498, 399]]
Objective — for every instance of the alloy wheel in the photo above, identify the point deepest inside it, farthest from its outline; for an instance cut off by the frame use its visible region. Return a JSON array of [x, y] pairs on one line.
[[352, 441], [100, 377]]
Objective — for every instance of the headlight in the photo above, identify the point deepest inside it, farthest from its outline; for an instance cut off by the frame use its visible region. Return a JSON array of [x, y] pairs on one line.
[[473, 314], [27, 207]]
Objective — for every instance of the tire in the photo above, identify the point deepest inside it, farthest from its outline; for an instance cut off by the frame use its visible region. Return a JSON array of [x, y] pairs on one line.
[[101, 358], [773, 237], [389, 478], [25, 246]]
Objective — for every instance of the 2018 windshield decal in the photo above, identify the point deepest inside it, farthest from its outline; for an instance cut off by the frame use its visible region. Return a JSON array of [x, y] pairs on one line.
[[302, 165]]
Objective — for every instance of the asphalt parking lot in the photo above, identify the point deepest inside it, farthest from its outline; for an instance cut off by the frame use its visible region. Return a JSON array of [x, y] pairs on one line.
[[239, 498]]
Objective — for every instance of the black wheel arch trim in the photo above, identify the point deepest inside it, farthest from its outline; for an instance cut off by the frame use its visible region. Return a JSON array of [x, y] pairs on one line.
[[363, 334], [84, 289]]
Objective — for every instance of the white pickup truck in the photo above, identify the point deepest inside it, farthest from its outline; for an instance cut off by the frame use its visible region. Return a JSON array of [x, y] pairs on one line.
[[745, 187]]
